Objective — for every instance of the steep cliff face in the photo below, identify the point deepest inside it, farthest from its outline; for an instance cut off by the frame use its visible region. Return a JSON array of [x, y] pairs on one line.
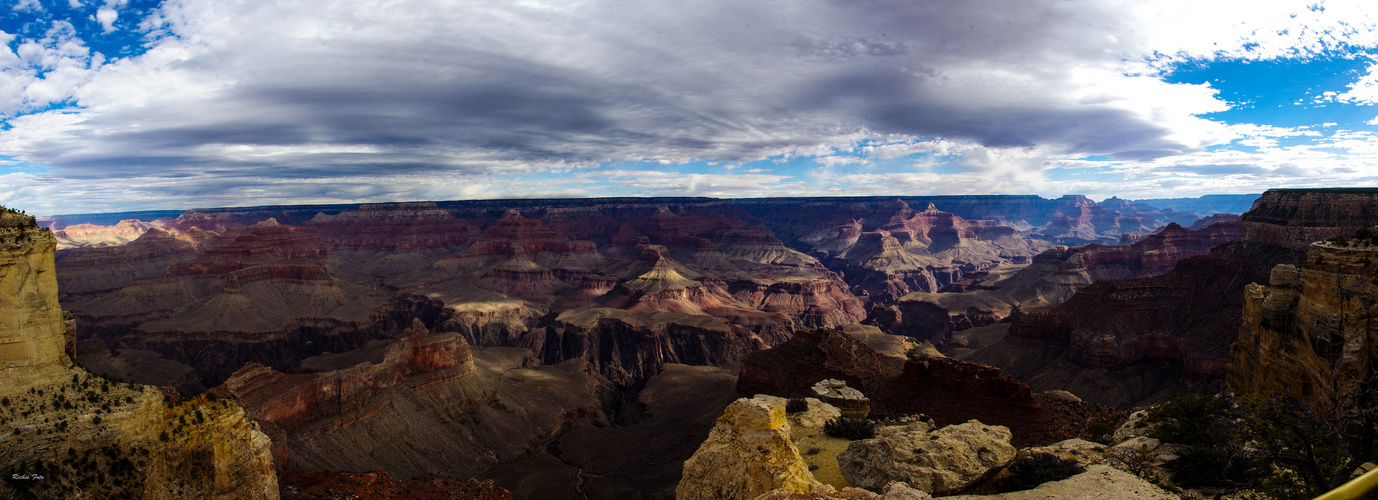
[[65, 433], [1309, 333], [31, 327], [1146, 333]]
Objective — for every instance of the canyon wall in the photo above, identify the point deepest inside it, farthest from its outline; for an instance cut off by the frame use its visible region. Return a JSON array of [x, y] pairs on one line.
[[1122, 342], [1310, 332], [69, 434]]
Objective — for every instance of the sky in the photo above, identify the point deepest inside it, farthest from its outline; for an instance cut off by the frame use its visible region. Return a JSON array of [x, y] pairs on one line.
[[121, 105]]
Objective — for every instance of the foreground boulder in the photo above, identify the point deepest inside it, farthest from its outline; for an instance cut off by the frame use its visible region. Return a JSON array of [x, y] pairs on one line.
[[936, 461], [747, 454], [1099, 482]]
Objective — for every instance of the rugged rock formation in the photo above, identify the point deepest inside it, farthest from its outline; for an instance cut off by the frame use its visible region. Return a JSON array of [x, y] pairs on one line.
[[1310, 333], [85, 273], [94, 235], [1099, 482], [68, 434], [748, 453], [1122, 342], [938, 461], [952, 391], [31, 329], [895, 250], [948, 390], [792, 368], [1052, 278]]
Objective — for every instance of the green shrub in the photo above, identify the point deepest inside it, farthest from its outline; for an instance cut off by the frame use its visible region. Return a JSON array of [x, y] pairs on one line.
[[850, 428], [796, 405], [1030, 471], [1211, 468], [1193, 419]]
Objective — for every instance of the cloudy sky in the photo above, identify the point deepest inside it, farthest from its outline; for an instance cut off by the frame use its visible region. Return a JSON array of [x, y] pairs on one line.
[[110, 105]]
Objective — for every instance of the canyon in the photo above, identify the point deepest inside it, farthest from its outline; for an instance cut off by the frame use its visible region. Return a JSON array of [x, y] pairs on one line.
[[572, 348]]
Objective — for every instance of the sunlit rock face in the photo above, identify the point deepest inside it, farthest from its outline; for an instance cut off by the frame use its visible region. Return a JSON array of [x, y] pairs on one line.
[[1310, 332], [31, 326], [70, 434]]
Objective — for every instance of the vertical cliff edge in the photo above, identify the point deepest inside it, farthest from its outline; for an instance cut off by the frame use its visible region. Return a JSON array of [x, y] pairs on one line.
[[1310, 332], [65, 433]]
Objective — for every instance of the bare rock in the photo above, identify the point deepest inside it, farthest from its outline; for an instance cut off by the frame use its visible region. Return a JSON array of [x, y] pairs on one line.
[[835, 392], [1134, 427], [747, 454], [818, 414], [1099, 482], [938, 462], [1141, 442], [1083, 452]]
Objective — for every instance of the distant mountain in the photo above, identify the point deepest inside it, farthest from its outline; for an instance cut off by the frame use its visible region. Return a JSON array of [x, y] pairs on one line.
[[1206, 205]]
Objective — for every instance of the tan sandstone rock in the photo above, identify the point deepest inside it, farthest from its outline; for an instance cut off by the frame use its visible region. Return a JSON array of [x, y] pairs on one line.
[[939, 461], [1099, 482], [747, 454], [835, 392]]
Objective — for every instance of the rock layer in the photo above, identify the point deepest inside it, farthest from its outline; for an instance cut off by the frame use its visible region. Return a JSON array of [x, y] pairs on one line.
[[68, 434], [1145, 334], [1310, 332]]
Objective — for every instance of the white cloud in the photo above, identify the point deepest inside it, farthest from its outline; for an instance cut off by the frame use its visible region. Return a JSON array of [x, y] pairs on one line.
[[280, 92], [107, 17]]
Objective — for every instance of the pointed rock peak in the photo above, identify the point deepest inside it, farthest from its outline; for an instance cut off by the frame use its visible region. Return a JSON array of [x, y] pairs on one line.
[[662, 276], [897, 204], [271, 222], [931, 208]]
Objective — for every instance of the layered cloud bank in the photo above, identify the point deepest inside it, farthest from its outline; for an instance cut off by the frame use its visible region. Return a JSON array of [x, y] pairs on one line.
[[129, 105]]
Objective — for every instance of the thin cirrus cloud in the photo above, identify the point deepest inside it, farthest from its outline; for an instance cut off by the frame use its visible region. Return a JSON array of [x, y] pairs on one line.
[[285, 102]]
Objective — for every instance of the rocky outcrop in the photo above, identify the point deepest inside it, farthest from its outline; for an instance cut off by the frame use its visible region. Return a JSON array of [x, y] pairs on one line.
[[341, 388], [31, 331], [1145, 334], [85, 273], [937, 461], [851, 402], [1309, 332], [953, 391], [896, 250], [1053, 277], [1099, 482], [749, 453], [95, 235], [794, 367], [68, 434], [948, 390]]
